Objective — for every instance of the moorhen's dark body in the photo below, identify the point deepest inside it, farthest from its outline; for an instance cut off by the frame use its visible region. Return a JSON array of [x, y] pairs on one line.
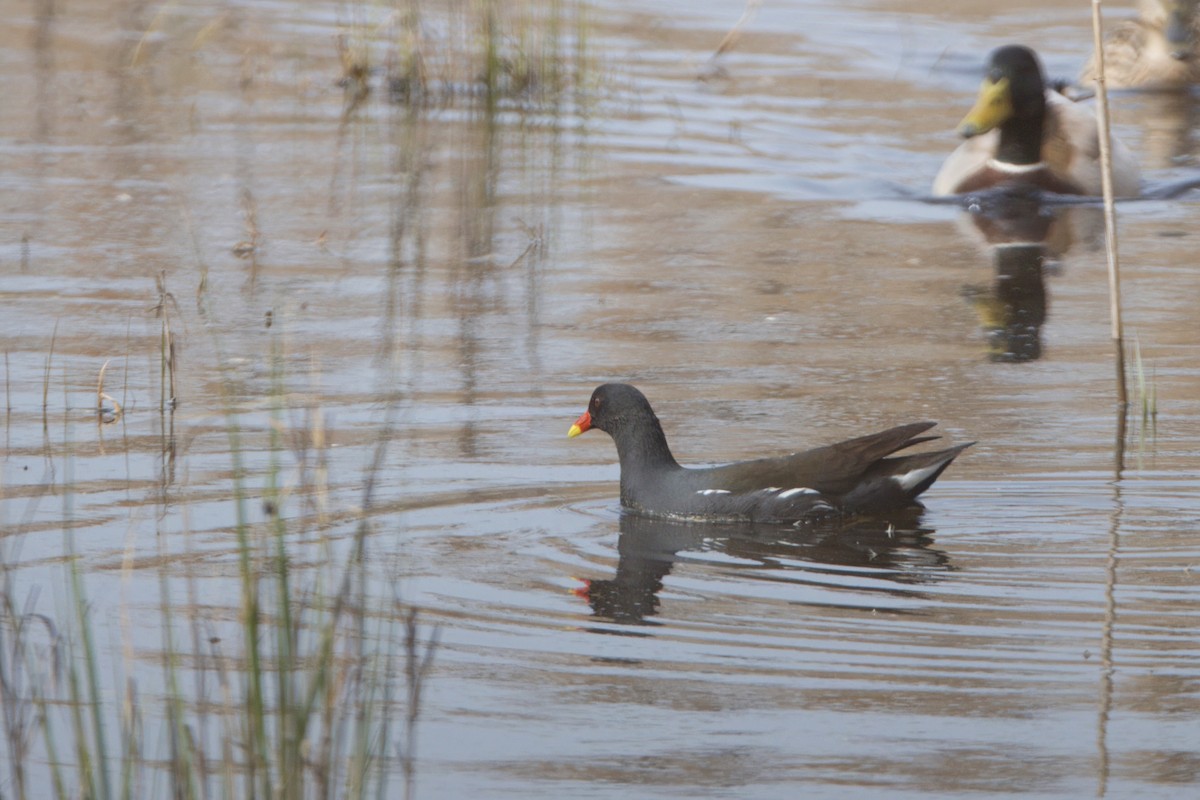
[[852, 477]]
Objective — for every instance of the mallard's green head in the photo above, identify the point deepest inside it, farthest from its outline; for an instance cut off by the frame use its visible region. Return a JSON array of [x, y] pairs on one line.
[[1013, 89]]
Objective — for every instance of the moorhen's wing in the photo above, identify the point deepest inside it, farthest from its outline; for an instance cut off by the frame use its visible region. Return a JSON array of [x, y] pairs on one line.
[[831, 470]]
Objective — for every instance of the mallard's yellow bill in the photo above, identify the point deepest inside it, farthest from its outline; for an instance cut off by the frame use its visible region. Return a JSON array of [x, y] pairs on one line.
[[992, 108]]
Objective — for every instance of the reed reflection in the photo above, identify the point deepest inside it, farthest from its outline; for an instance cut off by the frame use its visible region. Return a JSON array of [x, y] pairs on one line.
[[897, 550], [1025, 235]]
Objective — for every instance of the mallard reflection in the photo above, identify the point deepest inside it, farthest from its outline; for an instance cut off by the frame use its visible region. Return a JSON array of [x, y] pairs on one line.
[[1024, 235], [1168, 123], [896, 550], [1013, 308]]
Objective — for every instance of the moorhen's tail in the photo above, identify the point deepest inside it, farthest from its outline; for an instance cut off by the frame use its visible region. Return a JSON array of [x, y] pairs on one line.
[[898, 481], [917, 472]]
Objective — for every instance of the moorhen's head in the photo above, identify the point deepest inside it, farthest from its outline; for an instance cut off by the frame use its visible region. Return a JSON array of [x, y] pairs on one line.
[[1013, 88], [612, 406]]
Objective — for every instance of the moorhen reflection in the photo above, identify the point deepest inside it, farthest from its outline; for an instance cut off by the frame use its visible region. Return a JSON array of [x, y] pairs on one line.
[[895, 549]]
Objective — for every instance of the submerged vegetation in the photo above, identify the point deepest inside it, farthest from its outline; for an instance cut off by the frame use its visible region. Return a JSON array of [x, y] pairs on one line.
[[527, 52]]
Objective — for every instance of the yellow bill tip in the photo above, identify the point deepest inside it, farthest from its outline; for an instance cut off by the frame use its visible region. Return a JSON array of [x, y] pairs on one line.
[[575, 431], [992, 108], [968, 129]]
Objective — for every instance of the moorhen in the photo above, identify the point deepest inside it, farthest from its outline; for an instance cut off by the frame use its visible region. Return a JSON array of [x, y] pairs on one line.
[[851, 477], [1023, 133]]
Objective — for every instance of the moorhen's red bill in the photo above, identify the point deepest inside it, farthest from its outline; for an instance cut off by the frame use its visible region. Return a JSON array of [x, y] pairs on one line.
[[852, 477]]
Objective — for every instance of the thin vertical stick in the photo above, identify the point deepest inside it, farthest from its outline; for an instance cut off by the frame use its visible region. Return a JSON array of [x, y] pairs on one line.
[[1110, 211], [1114, 297]]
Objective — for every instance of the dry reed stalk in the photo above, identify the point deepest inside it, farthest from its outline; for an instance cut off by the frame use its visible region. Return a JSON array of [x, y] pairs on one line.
[[167, 399], [135, 58], [248, 246], [106, 414], [735, 32], [167, 365], [46, 378], [1114, 294], [1110, 211]]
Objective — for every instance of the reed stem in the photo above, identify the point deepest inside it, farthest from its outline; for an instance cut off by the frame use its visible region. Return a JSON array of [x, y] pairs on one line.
[[1110, 210]]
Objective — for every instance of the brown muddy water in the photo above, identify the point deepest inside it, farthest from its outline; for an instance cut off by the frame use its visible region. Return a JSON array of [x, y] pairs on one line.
[[755, 251]]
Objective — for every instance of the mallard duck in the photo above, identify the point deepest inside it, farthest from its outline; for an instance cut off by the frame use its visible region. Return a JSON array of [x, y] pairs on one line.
[[1020, 132], [1157, 51]]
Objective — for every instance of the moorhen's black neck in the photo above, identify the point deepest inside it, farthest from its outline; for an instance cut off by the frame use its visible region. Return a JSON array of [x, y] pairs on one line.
[[643, 452], [1021, 134]]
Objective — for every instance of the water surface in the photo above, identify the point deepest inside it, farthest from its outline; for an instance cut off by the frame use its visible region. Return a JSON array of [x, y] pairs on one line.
[[748, 241]]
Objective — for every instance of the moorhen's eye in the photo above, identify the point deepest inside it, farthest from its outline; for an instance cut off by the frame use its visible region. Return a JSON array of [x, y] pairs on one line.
[[595, 404]]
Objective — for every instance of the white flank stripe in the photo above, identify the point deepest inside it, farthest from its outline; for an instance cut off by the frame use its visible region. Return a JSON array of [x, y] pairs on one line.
[[799, 490], [713, 491]]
